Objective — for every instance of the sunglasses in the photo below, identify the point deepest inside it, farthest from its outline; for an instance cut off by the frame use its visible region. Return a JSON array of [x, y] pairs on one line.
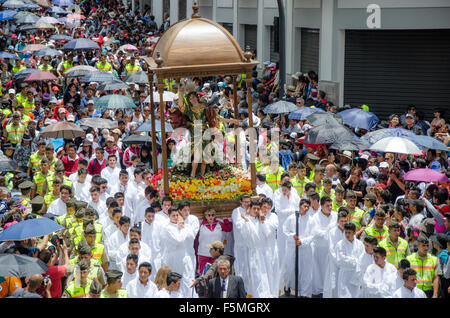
[[210, 214]]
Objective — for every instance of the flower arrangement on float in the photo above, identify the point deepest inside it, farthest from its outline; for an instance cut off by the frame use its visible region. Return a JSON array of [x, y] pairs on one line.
[[226, 183]]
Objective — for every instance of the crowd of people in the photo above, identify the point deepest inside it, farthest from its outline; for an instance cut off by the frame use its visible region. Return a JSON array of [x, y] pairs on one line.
[[321, 223]]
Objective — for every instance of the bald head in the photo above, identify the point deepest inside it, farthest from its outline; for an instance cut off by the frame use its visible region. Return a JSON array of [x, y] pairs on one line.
[[34, 282]]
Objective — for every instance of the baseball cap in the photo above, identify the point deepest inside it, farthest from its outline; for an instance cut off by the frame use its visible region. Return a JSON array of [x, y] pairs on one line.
[[440, 239], [384, 165], [71, 118], [11, 91], [370, 197], [110, 139], [216, 245], [409, 116], [436, 165], [61, 110], [91, 102]]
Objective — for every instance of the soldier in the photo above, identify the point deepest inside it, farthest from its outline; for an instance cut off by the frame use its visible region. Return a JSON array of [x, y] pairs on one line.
[[79, 288], [25, 188], [114, 287], [37, 206], [95, 290]]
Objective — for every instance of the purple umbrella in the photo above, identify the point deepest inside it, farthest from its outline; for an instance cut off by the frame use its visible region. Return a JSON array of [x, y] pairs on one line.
[[426, 175]]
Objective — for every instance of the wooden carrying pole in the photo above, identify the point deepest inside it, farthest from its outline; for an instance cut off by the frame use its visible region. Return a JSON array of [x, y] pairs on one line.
[[163, 136], [152, 118], [251, 134]]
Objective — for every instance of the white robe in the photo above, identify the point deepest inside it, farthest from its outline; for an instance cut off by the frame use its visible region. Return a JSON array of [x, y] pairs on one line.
[[139, 215], [136, 289], [135, 194], [265, 189], [239, 249], [57, 207], [330, 285], [160, 221], [320, 225], [347, 260], [147, 236], [284, 207], [111, 175], [164, 293], [127, 277], [112, 244], [191, 224], [304, 255], [364, 261], [81, 191], [269, 249], [254, 271], [380, 282], [206, 236], [99, 206], [404, 292]]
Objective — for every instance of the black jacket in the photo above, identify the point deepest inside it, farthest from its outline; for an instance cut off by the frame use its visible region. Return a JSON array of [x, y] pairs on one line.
[[235, 288]]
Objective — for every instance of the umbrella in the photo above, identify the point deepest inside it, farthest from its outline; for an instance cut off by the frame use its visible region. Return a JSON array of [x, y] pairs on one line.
[[147, 126], [27, 19], [167, 97], [29, 228], [33, 47], [137, 78], [280, 107], [57, 143], [128, 47], [61, 37], [25, 72], [63, 129], [304, 112], [7, 55], [427, 142], [7, 164], [115, 84], [328, 134], [80, 70], [14, 4], [359, 118], [44, 3], [32, 6], [98, 77], [57, 10], [42, 25], [351, 145], [40, 76], [137, 139], [24, 13], [81, 44], [426, 175], [7, 15], [324, 118], [49, 20], [47, 52], [396, 145], [99, 123], [15, 265], [76, 16], [63, 3], [373, 136], [114, 102]]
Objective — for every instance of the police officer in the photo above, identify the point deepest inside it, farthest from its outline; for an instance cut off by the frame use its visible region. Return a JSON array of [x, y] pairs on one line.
[[25, 188], [37, 206], [79, 288], [95, 290], [114, 287], [45, 67], [15, 130]]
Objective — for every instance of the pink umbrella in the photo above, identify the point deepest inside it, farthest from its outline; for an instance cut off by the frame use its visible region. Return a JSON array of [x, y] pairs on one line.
[[40, 76], [128, 47], [76, 16], [426, 175]]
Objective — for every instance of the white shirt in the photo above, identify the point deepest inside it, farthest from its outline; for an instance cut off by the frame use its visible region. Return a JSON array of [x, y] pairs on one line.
[[404, 292], [57, 207], [127, 278], [110, 174], [136, 289], [81, 191], [224, 292], [99, 206], [74, 178]]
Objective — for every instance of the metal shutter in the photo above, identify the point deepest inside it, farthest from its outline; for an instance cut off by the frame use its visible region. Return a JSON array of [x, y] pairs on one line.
[[250, 36], [182, 9], [309, 50], [390, 69], [228, 26], [274, 55]]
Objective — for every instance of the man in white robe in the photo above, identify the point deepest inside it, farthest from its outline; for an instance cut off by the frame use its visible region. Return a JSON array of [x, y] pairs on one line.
[[116, 239], [112, 224], [81, 186], [268, 247], [58, 207], [320, 224], [122, 185], [160, 221], [111, 171], [148, 229], [142, 286], [335, 234], [379, 279], [130, 271], [96, 202], [151, 196], [262, 187], [286, 203], [370, 242], [135, 247], [348, 252], [173, 289], [302, 241], [239, 248], [254, 271], [135, 193], [315, 203], [402, 265], [409, 288]]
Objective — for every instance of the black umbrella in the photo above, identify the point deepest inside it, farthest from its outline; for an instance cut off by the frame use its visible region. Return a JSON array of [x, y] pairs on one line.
[[137, 139], [328, 134], [14, 265], [324, 118], [7, 164], [137, 78], [61, 37]]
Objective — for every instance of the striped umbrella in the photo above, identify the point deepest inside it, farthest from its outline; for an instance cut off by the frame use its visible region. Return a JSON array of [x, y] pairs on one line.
[[33, 47], [99, 77], [114, 102]]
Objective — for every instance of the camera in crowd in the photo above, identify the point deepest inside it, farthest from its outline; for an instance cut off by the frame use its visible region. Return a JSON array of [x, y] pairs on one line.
[[56, 240], [46, 280]]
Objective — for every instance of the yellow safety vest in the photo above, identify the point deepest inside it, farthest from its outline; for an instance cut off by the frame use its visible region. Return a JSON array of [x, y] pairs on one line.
[[356, 217], [67, 66], [394, 254], [299, 185], [43, 68], [14, 134], [336, 205], [121, 293], [131, 68], [424, 269], [372, 231], [103, 67], [77, 291], [15, 69], [93, 270], [27, 106], [35, 160], [20, 98], [39, 180]]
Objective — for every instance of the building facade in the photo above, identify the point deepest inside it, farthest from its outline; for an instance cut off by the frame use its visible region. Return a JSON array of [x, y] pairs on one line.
[[383, 53]]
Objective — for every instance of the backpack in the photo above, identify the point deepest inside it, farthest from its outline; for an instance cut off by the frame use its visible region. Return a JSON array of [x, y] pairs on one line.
[[446, 267]]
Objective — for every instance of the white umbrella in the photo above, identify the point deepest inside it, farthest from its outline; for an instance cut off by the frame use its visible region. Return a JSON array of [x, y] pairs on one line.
[[167, 97], [396, 145]]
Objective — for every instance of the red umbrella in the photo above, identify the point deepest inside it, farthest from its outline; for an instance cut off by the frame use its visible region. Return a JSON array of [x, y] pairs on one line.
[[40, 76], [76, 16]]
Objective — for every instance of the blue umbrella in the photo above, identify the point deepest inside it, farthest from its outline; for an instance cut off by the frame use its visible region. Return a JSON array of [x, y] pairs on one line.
[[114, 102], [47, 52], [81, 44], [147, 126], [304, 112], [373, 136], [359, 118], [63, 3], [29, 228], [57, 143], [99, 77], [57, 10], [27, 19], [280, 107], [14, 4], [7, 15], [7, 55], [31, 6], [427, 142], [25, 72]]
